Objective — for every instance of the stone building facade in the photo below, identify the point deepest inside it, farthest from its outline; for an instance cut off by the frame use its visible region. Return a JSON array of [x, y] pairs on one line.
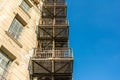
[[18, 20]]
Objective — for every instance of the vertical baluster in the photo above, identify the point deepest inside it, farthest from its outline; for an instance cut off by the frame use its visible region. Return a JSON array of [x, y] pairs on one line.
[[58, 53], [55, 53]]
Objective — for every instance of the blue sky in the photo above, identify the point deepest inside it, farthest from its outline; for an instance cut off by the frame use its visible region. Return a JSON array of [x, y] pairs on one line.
[[95, 38]]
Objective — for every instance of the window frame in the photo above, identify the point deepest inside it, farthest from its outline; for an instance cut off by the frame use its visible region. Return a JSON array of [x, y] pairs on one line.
[[17, 20], [25, 2], [7, 61], [15, 28]]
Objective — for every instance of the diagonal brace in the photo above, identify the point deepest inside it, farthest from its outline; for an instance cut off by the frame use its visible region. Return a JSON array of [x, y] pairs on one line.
[[42, 66], [61, 68]]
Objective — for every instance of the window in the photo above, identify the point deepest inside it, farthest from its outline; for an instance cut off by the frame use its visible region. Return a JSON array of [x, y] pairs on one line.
[[25, 6], [5, 62], [15, 28]]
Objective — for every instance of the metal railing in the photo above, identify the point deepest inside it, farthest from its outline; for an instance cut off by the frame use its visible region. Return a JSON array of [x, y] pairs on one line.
[[46, 21], [61, 22], [51, 2], [48, 3], [50, 22], [60, 2], [55, 53]]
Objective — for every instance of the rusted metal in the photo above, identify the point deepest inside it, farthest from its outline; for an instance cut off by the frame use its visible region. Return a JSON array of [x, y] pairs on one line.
[[52, 59]]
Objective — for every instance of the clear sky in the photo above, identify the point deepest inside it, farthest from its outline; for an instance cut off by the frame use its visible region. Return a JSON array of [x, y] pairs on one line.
[[95, 38]]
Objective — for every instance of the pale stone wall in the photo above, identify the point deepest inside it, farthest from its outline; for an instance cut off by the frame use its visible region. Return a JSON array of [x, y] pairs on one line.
[[26, 42]]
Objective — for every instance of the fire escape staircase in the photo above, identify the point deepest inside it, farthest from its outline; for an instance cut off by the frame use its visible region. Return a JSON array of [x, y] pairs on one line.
[[52, 59]]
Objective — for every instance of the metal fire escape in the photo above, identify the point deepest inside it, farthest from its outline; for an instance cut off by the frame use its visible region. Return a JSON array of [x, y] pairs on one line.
[[52, 59]]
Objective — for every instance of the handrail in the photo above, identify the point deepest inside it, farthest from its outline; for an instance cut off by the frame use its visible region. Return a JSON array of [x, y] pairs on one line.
[[50, 22], [56, 53], [51, 2]]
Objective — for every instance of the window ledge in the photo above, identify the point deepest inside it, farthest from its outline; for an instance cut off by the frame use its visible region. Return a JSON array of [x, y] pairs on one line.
[[15, 40]]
